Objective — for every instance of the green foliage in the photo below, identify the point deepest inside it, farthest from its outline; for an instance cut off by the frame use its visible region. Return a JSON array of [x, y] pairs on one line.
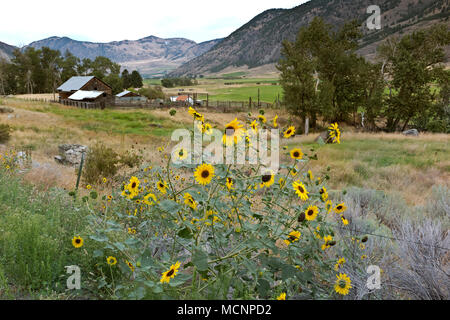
[[177, 82], [413, 63], [5, 133], [152, 92], [103, 162]]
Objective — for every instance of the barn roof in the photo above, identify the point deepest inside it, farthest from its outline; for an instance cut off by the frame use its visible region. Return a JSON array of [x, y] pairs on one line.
[[75, 83], [124, 93], [81, 95]]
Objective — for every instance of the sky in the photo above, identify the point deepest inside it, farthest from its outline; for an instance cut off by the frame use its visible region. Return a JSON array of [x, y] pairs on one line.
[[25, 21]]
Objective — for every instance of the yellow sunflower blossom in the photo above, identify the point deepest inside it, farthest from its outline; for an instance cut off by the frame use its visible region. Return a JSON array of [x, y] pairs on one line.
[[77, 242], [282, 296], [311, 213], [293, 237], [289, 132], [112, 261], [343, 284], [296, 154], [300, 190], [204, 174], [171, 273], [340, 208]]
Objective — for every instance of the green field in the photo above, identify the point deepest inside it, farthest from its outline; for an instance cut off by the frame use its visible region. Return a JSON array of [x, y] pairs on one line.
[[268, 93]]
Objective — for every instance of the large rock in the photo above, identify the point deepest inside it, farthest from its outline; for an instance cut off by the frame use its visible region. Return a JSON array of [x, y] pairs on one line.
[[412, 132], [323, 136], [70, 154]]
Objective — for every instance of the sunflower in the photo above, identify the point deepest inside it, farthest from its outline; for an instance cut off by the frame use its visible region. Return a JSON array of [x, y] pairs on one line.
[[340, 208], [230, 183], [293, 237], [77, 242], [340, 262], [328, 242], [282, 296], [294, 171], [130, 265], [189, 200], [335, 133], [342, 284], [161, 186], [267, 180], [275, 124], [197, 116], [344, 221], [204, 174], [289, 132], [111, 261], [149, 201], [133, 187], [233, 133], [254, 126], [310, 175], [323, 193], [207, 129], [181, 154], [300, 190], [262, 119], [170, 274], [311, 213], [296, 154]]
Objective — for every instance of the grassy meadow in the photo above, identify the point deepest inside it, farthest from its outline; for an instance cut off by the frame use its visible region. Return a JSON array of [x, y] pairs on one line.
[[392, 185]]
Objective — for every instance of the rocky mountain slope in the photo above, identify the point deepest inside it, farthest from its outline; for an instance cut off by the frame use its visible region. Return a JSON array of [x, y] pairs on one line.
[[6, 50], [259, 41], [151, 55]]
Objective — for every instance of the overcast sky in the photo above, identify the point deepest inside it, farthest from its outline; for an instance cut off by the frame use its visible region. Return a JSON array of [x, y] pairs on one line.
[[24, 21]]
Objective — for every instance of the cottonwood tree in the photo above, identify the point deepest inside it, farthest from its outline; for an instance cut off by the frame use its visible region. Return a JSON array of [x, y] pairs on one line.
[[414, 64]]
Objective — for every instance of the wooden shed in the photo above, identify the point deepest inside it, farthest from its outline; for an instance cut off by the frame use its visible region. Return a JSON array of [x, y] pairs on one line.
[[88, 83]]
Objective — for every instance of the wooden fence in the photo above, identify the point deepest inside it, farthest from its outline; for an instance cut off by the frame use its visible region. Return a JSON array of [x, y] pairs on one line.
[[217, 106], [83, 105]]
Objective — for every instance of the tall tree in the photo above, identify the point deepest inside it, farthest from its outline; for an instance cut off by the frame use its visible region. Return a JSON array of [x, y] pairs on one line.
[[413, 63], [126, 79], [136, 80]]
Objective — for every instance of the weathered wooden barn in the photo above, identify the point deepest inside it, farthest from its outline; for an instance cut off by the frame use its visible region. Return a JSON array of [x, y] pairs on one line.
[[88, 83]]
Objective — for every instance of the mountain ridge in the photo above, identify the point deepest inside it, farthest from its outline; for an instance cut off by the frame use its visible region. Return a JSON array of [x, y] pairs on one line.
[[150, 55], [258, 42]]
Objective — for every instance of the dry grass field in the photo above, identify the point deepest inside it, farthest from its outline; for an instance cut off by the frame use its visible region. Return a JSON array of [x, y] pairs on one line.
[[405, 166]]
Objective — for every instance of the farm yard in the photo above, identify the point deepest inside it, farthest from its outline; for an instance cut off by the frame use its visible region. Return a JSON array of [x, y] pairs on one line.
[[394, 188], [304, 157]]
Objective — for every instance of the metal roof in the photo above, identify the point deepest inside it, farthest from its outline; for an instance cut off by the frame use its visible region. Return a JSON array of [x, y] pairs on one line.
[[81, 95], [123, 93], [75, 83]]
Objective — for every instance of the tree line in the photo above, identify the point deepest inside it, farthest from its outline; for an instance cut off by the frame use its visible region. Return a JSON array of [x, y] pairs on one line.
[[323, 77], [43, 70]]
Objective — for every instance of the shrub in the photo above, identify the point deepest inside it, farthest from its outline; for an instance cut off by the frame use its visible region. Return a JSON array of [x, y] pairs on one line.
[[5, 133], [101, 162], [104, 162]]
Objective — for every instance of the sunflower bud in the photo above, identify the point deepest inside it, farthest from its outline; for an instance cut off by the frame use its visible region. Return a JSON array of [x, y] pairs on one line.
[[301, 217]]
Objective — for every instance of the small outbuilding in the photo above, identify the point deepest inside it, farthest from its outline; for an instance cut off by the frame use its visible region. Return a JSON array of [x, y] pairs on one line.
[[129, 96]]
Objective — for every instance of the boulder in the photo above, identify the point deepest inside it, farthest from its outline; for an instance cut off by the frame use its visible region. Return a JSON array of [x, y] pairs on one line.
[[6, 110], [323, 136], [70, 154], [412, 132]]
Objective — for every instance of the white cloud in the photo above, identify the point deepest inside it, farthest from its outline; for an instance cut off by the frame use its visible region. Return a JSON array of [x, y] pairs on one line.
[[24, 21]]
